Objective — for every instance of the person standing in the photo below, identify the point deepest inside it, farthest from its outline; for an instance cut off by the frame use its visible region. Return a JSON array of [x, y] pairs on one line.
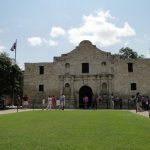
[[62, 101], [94, 102], [49, 103], [58, 103], [18, 101], [25, 101], [147, 103], [112, 101], [138, 102], [54, 102], [98, 102], [43, 103], [85, 101]]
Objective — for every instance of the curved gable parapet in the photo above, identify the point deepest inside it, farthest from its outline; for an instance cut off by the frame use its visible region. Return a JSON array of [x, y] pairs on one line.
[[88, 46], [85, 43], [85, 47]]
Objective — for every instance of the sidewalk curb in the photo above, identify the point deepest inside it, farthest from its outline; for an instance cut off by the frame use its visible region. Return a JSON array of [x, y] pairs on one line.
[[144, 113]]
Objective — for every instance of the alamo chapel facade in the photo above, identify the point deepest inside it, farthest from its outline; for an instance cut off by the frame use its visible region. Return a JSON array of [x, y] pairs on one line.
[[86, 70]]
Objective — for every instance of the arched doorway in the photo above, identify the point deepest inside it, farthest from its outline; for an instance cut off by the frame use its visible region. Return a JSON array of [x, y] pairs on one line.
[[85, 91]]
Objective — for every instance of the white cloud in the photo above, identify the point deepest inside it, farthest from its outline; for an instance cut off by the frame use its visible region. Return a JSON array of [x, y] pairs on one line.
[[57, 31], [99, 30], [35, 41], [50, 42], [1, 31], [2, 48]]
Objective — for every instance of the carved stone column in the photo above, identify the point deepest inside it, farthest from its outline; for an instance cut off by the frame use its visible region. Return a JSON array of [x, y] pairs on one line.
[[72, 99], [98, 84], [61, 87], [72, 87], [110, 84]]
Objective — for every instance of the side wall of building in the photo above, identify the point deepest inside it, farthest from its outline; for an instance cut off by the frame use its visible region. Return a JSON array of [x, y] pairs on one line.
[[140, 76]]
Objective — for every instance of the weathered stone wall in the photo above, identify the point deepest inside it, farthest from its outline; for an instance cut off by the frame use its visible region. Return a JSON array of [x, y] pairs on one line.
[[107, 74], [140, 76]]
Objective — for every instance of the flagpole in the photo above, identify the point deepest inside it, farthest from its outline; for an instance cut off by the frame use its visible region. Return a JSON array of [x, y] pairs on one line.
[[14, 78], [15, 50]]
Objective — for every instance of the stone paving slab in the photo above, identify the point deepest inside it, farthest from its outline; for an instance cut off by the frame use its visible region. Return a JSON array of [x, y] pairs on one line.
[[143, 113]]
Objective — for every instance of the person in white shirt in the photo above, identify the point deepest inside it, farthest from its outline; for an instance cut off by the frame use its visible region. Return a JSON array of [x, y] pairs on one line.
[[62, 101], [49, 103], [43, 103], [58, 106]]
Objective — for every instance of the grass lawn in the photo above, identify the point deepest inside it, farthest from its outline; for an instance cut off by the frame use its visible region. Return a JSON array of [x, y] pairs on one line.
[[74, 130]]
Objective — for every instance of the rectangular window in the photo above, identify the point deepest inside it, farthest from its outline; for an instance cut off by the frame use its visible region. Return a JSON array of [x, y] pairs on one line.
[[130, 67], [41, 87], [85, 67], [133, 86], [41, 69]]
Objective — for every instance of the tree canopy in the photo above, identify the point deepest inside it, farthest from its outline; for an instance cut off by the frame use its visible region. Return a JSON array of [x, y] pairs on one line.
[[128, 53], [10, 76]]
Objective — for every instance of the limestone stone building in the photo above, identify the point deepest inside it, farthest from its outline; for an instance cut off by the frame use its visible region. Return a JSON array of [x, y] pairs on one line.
[[86, 70]]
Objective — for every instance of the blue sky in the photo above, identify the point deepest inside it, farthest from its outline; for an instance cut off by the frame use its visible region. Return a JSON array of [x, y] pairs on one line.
[[47, 28]]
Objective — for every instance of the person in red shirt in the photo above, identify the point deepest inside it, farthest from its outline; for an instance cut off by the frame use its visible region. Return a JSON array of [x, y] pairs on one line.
[[54, 102], [25, 101], [85, 101]]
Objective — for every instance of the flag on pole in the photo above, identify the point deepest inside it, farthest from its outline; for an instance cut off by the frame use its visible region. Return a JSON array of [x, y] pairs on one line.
[[13, 48]]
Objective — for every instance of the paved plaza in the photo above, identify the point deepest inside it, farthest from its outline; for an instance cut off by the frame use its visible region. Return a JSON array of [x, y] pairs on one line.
[[9, 111], [144, 113]]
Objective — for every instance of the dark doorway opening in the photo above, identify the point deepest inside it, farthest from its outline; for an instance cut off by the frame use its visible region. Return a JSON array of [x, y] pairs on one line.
[[85, 91]]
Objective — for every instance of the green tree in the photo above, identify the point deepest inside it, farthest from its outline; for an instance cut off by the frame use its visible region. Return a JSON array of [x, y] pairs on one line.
[[10, 76], [141, 56], [128, 53]]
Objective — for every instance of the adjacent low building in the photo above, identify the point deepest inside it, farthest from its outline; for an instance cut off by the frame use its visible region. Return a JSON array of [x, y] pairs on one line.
[[86, 70]]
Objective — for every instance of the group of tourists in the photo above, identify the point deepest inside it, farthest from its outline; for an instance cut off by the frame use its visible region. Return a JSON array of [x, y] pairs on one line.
[[96, 100], [54, 103], [139, 102], [24, 100], [51, 103], [142, 102], [116, 102]]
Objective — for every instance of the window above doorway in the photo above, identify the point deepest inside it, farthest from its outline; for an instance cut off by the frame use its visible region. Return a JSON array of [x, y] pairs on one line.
[[41, 69], [85, 67], [41, 88], [103, 63]]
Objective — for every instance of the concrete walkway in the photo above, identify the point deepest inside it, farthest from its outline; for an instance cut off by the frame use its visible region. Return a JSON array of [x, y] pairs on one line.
[[144, 113], [9, 111]]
